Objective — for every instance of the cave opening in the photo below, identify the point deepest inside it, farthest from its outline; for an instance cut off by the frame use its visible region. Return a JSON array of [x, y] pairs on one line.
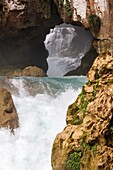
[[22, 46], [67, 45], [32, 46]]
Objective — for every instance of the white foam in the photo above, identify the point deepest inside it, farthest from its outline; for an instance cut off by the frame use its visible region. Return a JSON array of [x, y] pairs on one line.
[[41, 118]]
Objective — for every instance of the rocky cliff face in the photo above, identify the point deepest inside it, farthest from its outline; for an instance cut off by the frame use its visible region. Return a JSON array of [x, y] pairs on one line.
[[87, 141], [96, 15], [23, 27]]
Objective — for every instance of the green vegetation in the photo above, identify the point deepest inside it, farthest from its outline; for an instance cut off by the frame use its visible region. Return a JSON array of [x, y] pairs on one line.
[[85, 135], [94, 148], [74, 159], [78, 121], [95, 24], [94, 92], [111, 129], [83, 102], [68, 9], [80, 108], [111, 81], [86, 146], [61, 2]]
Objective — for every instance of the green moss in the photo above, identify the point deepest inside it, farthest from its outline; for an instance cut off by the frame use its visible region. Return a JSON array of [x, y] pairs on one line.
[[96, 85], [83, 102], [89, 83], [85, 135], [74, 110], [95, 91], [78, 121], [87, 146], [74, 159], [111, 81], [61, 2], [111, 129], [95, 24], [81, 108], [94, 148], [68, 9]]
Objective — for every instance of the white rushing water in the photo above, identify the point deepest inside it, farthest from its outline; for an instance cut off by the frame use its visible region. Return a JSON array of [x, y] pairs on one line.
[[66, 45], [42, 111]]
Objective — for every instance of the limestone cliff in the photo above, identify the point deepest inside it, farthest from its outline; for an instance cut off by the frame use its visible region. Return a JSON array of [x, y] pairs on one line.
[[86, 143]]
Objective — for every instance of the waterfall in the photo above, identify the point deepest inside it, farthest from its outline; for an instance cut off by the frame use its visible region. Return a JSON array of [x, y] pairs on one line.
[[41, 105], [66, 45]]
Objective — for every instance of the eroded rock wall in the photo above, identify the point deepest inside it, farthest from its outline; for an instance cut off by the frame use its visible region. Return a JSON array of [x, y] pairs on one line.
[[87, 141]]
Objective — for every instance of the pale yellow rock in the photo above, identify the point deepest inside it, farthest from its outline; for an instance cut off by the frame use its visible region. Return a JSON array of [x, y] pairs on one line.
[[28, 71], [8, 114], [89, 122]]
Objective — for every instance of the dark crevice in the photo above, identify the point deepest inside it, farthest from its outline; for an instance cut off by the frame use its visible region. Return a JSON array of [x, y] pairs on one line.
[[1, 8], [109, 133]]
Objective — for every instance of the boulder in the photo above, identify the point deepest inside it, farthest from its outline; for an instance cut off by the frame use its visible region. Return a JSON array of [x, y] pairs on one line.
[[8, 113], [28, 71]]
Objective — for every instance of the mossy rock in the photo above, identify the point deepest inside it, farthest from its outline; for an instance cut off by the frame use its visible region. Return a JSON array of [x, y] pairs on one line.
[[95, 24], [74, 159]]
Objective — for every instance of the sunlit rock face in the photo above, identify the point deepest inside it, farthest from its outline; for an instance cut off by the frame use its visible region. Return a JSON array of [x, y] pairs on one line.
[[66, 45]]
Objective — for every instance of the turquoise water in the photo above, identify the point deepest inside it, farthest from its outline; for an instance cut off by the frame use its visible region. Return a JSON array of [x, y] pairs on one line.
[[41, 104]]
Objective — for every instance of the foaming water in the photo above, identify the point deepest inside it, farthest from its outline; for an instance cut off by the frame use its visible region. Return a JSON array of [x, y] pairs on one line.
[[41, 116], [67, 45]]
